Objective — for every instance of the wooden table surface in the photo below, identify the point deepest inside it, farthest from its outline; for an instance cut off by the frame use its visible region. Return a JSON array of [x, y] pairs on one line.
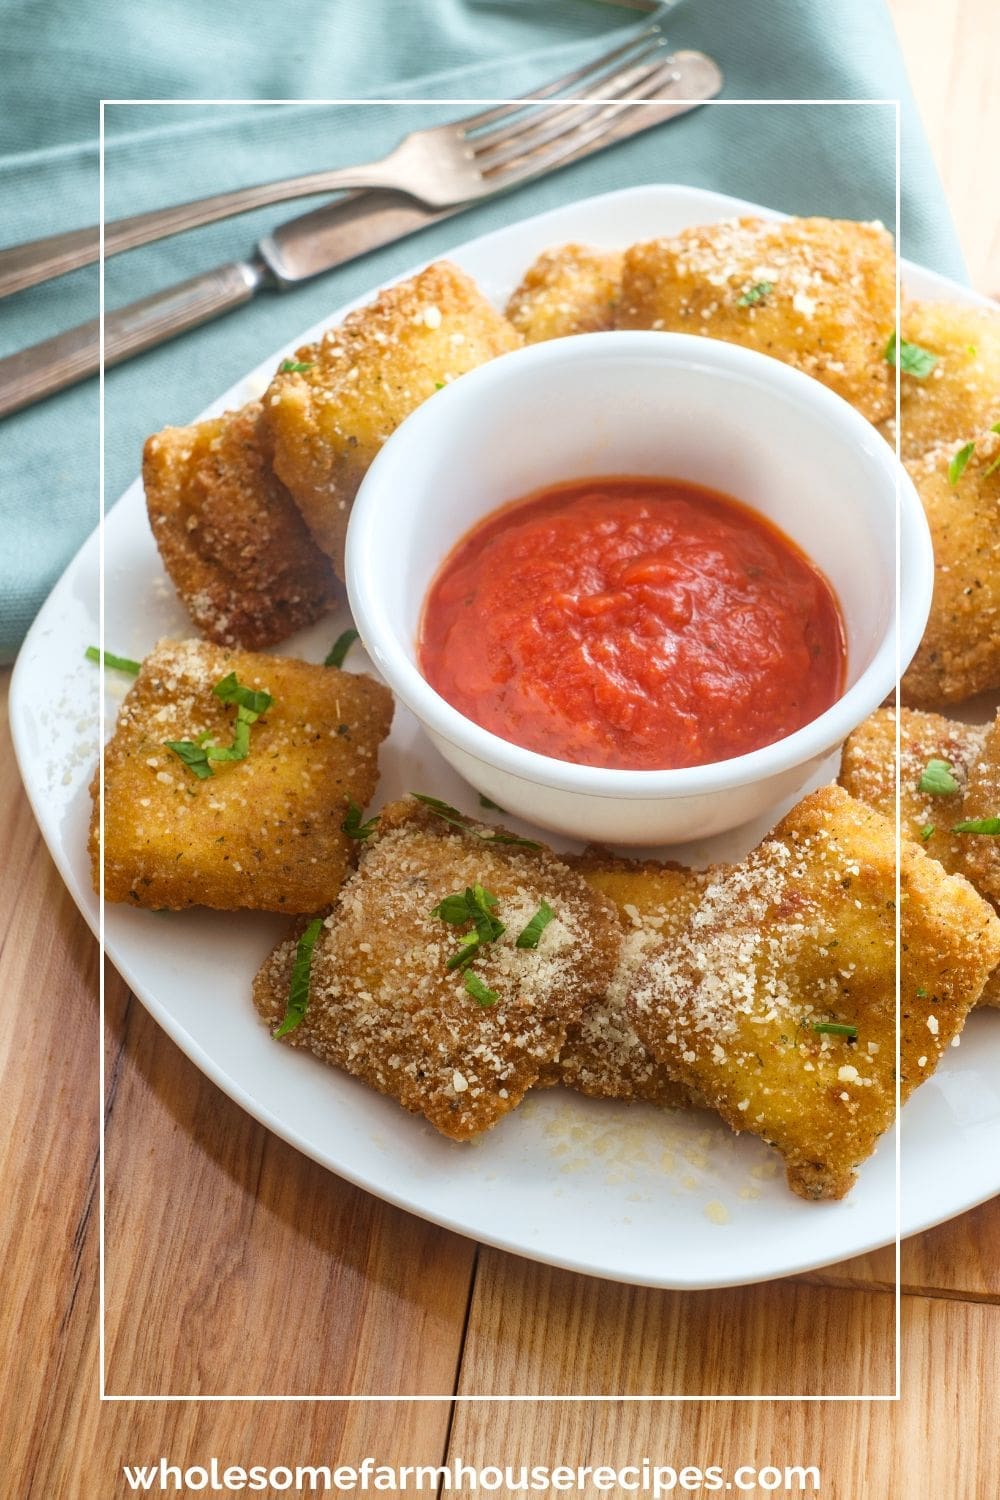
[[234, 1265]]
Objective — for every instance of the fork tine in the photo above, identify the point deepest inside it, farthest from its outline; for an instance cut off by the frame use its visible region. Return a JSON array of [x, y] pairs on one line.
[[570, 141], [609, 83], [554, 123], [613, 85], [503, 111]]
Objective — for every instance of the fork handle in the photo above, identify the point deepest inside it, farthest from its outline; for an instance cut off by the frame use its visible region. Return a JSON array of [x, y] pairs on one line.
[[51, 366], [25, 265]]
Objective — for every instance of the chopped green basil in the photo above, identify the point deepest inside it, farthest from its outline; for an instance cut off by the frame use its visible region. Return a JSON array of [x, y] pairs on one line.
[[353, 826], [927, 831], [251, 701], [479, 991], [531, 934], [989, 826], [910, 358], [835, 1028], [468, 949], [340, 648], [293, 367], [452, 815], [958, 464], [937, 779], [754, 294], [195, 757], [119, 663], [298, 989]]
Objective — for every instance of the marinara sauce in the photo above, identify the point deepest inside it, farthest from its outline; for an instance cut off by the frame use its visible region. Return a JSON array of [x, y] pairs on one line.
[[633, 623]]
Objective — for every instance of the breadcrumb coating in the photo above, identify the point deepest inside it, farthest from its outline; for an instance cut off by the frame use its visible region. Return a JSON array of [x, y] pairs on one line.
[[237, 551], [800, 934], [959, 655], [569, 289], [961, 394], [262, 833], [868, 772], [384, 1006], [603, 1056], [981, 851], [329, 421], [818, 294]]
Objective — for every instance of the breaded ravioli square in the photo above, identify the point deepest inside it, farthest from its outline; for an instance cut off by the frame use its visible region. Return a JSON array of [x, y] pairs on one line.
[[959, 655], [818, 294], [383, 1003], [960, 395], [603, 1056], [263, 832], [981, 805], [570, 289], [792, 946], [329, 419], [868, 772], [237, 551]]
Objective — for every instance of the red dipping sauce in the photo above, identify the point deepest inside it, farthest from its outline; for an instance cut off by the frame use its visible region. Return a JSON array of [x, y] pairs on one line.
[[635, 623]]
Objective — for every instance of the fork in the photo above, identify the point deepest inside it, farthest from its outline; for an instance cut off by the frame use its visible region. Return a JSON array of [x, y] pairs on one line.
[[440, 167]]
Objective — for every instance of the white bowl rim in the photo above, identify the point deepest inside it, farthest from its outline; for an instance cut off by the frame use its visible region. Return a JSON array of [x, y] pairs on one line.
[[915, 562]]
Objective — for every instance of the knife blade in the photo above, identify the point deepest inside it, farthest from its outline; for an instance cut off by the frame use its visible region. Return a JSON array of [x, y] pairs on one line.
[[305, 246]]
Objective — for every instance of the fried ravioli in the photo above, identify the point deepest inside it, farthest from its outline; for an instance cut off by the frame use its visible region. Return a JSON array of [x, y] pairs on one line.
[[603, 1056], [818, 294], [959, 655], [384, 1005], [570, 289], [237, 551], [960, 396], [981, 851], [801, 935], [263, 832], [814, 293], [329, 420], [868, 772]]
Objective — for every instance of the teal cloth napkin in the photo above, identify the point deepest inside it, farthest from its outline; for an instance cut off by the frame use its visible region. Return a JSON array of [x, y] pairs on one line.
[[59, 59]]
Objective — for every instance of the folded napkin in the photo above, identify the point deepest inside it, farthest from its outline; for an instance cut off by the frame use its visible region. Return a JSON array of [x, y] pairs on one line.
[[831, 159]]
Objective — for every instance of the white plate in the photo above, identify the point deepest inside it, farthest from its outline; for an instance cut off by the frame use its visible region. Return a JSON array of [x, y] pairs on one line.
[[630, 1193]]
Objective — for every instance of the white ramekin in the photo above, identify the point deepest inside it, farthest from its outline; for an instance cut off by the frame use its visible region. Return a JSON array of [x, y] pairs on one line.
[[664, 404]]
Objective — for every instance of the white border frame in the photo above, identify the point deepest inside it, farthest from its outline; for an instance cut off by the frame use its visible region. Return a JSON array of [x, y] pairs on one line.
[[896, 1394]]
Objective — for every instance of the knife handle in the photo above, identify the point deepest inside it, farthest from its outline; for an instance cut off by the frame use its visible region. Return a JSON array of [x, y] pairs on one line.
[[45, 368]]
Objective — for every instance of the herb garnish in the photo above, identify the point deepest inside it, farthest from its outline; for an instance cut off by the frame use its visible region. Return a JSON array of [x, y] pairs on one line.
[[835, 1028], [754, 294], [996, 462], [460, 820], [293, 367], [490, 806], [926, 832], [340, 648], [480, 992], [958, 464], [119, 663], [531, 934], [978, 825], [198, 754], [911, 358], [938, 780], [353, 826], [298, 989], [475, 905]]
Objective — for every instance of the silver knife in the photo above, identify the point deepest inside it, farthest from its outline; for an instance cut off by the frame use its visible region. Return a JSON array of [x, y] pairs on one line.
[[303, 247]]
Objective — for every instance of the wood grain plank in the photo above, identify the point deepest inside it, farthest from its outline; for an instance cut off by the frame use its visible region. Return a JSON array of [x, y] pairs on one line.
[[959, 1259], [235, 1265], [943, 1438], [534, 1330]]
